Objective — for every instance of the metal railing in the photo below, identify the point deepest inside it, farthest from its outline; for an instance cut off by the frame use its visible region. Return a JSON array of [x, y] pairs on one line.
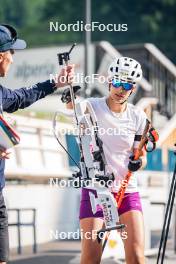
[[159, 71], [18, 224]]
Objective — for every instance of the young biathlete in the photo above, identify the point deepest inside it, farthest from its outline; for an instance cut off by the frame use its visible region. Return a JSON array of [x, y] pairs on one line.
[[123, 125]]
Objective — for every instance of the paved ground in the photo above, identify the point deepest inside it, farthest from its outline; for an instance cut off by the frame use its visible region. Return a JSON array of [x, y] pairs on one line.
[[66, 253]]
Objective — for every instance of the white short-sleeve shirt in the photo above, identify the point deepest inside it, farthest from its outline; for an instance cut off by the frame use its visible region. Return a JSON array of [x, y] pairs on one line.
[[117, 131]]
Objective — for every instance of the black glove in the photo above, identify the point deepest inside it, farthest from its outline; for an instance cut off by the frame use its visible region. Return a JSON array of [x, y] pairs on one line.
[[134, 165], [66, 97]]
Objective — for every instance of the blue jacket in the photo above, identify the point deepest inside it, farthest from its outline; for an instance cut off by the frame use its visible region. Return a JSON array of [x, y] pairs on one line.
[[12, 100]]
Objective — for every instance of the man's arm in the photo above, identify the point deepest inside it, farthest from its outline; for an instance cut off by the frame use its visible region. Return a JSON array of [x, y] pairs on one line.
[[12, 100]]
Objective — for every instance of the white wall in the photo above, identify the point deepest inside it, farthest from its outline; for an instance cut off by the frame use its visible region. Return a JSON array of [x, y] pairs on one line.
[[57, 209]]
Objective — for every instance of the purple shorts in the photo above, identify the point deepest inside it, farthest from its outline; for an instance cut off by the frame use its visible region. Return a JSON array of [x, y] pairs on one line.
[[131, 201]]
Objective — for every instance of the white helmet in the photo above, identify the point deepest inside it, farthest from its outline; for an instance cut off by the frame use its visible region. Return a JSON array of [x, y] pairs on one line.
[[125, 69]]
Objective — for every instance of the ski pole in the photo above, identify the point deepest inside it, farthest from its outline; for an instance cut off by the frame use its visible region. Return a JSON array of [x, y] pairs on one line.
[[167, 218]]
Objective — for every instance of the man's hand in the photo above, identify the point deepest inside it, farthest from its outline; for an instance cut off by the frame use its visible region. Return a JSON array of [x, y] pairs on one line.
[[66, 76], [4, 154]]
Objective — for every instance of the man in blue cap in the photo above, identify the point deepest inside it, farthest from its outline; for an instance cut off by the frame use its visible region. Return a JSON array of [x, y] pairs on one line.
[[11, 101]]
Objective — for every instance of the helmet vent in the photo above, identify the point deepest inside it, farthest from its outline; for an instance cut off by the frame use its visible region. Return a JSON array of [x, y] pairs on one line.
[[125, 67]]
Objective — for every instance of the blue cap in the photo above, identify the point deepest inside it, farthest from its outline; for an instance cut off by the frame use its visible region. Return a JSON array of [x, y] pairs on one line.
[[9, 40]]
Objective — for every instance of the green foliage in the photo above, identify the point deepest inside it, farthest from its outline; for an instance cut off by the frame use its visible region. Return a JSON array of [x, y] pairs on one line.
[[10, 12], [148, 21]]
